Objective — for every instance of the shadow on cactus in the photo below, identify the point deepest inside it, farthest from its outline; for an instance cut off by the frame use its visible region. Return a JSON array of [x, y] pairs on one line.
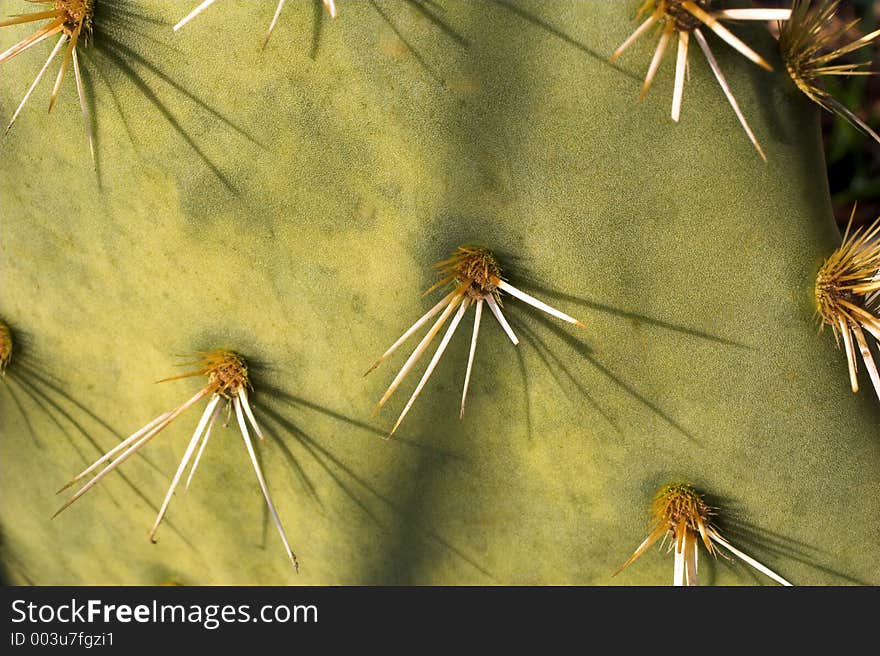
[[691, 341], [557, 368], [277, 407], [529, 282], [679, 19], [228, 382], [555, 31], [682, 516], [117, 45], [12, 570], [475, 277], [329, 7], [73, 19], [420, 6], [583, 350], [118, 42], [556, 365], [756, 539], [28, 385]]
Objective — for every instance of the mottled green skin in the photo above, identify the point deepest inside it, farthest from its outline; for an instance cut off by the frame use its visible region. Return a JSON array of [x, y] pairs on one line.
[[693, 262]]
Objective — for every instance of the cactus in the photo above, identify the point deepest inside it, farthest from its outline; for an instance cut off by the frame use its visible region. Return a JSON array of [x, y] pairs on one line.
[[288, 203], [475, 277], [229, 382], [683, 517], [678, 20]]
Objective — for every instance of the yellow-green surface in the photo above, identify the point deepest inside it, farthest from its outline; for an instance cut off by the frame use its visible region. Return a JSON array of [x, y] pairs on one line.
[[289, 202]]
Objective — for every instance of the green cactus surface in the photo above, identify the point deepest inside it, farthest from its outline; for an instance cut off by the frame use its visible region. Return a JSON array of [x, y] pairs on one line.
[[290, 202]]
